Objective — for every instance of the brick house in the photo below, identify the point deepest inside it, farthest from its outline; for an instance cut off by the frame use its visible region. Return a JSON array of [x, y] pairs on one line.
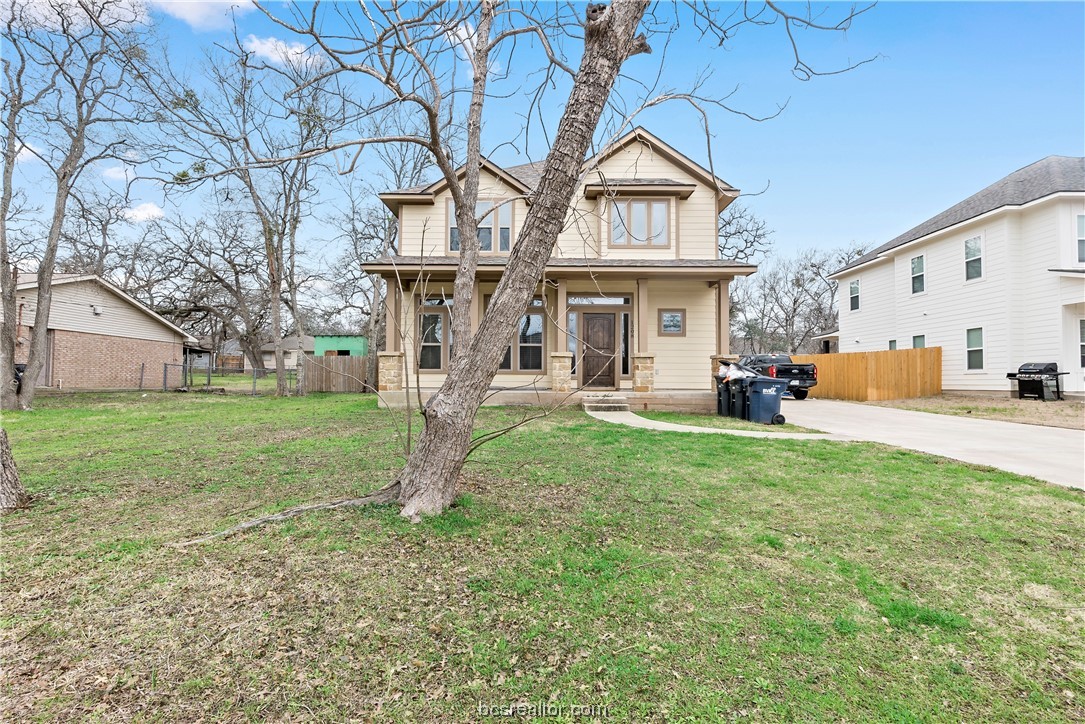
[[99, 336]]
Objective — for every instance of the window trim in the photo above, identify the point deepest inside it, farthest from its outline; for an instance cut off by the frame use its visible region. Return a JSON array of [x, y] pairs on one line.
[[922, 337], [968, 349], [892, 345], [922, 274], [495, 225], [854, 283], [659, 322], [648, 201], [513, 347], [446, 320], [1081, 340], [983, 253]]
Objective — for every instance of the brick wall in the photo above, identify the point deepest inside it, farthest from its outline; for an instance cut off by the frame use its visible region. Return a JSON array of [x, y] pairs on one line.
[[96, 361]]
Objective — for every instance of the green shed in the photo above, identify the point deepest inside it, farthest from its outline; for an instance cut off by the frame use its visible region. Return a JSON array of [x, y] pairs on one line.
[[341, 345]]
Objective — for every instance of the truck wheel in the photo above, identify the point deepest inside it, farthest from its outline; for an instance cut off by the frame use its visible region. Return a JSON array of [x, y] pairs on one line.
[[778, 419], [800, 394]]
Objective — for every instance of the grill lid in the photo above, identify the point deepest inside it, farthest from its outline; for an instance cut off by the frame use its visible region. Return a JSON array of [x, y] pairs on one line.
[[1038, 368]]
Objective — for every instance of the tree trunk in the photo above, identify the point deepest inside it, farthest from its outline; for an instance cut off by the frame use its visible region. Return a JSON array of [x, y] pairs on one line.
[[375, 332], [428, 480], [12, 494]]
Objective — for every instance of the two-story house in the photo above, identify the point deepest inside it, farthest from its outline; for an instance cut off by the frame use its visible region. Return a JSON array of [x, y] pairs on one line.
[[634, 298], [996, 281]]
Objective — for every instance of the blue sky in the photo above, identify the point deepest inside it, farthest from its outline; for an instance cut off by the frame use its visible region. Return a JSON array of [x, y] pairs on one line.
[[960, 95]]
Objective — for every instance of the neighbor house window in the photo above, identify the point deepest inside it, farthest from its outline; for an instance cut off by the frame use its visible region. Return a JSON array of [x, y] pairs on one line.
[[525, 354], [434, 333], [973, 258], [490, 225], [640, 223], [892, 344], [919, 341], [853, 293], [1081, 338], [919, 282], [1081, 238], [974, 345]]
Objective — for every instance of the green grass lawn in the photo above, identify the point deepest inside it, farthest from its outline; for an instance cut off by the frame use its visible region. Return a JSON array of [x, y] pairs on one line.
[[664, 576]]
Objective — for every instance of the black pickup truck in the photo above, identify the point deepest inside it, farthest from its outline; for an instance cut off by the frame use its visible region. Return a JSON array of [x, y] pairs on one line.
[[800, 378]]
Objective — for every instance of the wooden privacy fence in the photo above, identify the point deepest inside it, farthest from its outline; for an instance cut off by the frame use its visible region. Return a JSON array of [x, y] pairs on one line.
[[895, 374], [334, 374]]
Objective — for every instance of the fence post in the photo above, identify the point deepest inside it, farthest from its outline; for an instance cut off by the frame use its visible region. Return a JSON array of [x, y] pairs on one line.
[[165, 374], [142, 368], [254, 382], [209, 374]]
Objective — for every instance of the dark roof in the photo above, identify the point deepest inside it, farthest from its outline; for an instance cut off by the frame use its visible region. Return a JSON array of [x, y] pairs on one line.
[[1035, 181], [491, 261]]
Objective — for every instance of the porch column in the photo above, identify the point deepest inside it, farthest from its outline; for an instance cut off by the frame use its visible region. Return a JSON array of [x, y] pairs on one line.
[[642, 316], [392, 295], [561, 371], [561, 341], [390, 372], [723, 316], [644, 372]]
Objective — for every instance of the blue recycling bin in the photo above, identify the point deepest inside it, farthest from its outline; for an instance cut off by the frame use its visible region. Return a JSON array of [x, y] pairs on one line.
[[764, 395]]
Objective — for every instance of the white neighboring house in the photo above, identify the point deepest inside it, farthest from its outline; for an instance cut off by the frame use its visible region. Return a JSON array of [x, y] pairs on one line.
[[290, 352], [995, 281]]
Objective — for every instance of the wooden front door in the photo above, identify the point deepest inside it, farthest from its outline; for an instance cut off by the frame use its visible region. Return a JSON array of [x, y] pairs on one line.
[[598, 367]]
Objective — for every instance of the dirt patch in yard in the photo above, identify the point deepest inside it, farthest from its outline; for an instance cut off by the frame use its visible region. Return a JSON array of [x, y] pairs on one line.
[[1062, 413]]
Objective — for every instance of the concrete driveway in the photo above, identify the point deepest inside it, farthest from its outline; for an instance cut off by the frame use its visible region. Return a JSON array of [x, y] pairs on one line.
[[1053, 454]]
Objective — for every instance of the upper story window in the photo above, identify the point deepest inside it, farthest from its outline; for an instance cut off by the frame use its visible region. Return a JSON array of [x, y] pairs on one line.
[[973, 258], [492, 225], [919, 278], [1081, 238], [853, 294], [636, 222]]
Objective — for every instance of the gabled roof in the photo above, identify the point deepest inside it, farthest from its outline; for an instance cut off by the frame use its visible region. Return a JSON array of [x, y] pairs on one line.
[[29, 281], [525, 177], [1046, 177]]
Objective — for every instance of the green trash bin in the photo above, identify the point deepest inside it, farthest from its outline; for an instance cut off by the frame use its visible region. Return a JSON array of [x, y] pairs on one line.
[[765, 394]]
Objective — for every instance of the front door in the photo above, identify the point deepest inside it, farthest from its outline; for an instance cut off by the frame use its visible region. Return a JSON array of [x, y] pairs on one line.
[[598, 367]]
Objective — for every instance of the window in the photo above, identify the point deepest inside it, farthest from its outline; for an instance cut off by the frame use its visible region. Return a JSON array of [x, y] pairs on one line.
[[974, 345], [892, 344], [1081, 338], [525, 354], [919, 341], [1081, 238], [640, 223], [672, 323], [973, 259], [853, 292], [486, 231], [434, 336], [919, 283]]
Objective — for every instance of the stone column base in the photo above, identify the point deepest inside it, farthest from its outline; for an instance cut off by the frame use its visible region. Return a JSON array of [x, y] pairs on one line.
[[644, 372], [390, 371], [561, 371]]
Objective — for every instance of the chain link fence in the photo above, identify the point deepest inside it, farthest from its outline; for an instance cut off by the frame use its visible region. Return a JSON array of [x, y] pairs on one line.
[[181, 377]]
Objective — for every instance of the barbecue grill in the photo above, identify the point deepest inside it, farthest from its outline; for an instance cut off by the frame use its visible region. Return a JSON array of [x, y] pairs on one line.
[[1038, 379]]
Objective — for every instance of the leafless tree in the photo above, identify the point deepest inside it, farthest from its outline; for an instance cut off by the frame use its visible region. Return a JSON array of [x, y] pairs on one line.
[[743, 235], [68, 104]]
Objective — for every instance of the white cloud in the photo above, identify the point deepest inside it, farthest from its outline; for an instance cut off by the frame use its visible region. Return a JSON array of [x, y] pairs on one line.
[[274, 50], [115, 173], [147, 211], [26, 154], [204, 15]]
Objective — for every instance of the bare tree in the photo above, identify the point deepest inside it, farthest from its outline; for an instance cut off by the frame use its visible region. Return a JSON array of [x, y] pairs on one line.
[[69, 103], [743, 236]]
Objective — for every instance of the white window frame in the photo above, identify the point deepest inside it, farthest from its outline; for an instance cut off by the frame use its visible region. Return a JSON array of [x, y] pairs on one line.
[[922, 339], [854, 290], [969, 350], [1081, 340], [892, 344], [922, 275], [983, 267], [1081, 238]]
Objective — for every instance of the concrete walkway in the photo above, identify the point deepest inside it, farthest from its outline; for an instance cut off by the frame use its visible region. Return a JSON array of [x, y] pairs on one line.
[[1053, 454]]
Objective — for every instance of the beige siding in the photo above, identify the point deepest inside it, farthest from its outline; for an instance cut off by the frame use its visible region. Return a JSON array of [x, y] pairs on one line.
[[424, 228], [73, 310], [682, 363]]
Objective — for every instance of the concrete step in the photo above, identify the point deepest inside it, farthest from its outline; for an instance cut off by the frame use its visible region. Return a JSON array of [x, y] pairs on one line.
[[605, 403]]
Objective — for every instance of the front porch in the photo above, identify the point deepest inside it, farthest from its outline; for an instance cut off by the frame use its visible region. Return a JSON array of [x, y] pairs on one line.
[[689, 401]]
